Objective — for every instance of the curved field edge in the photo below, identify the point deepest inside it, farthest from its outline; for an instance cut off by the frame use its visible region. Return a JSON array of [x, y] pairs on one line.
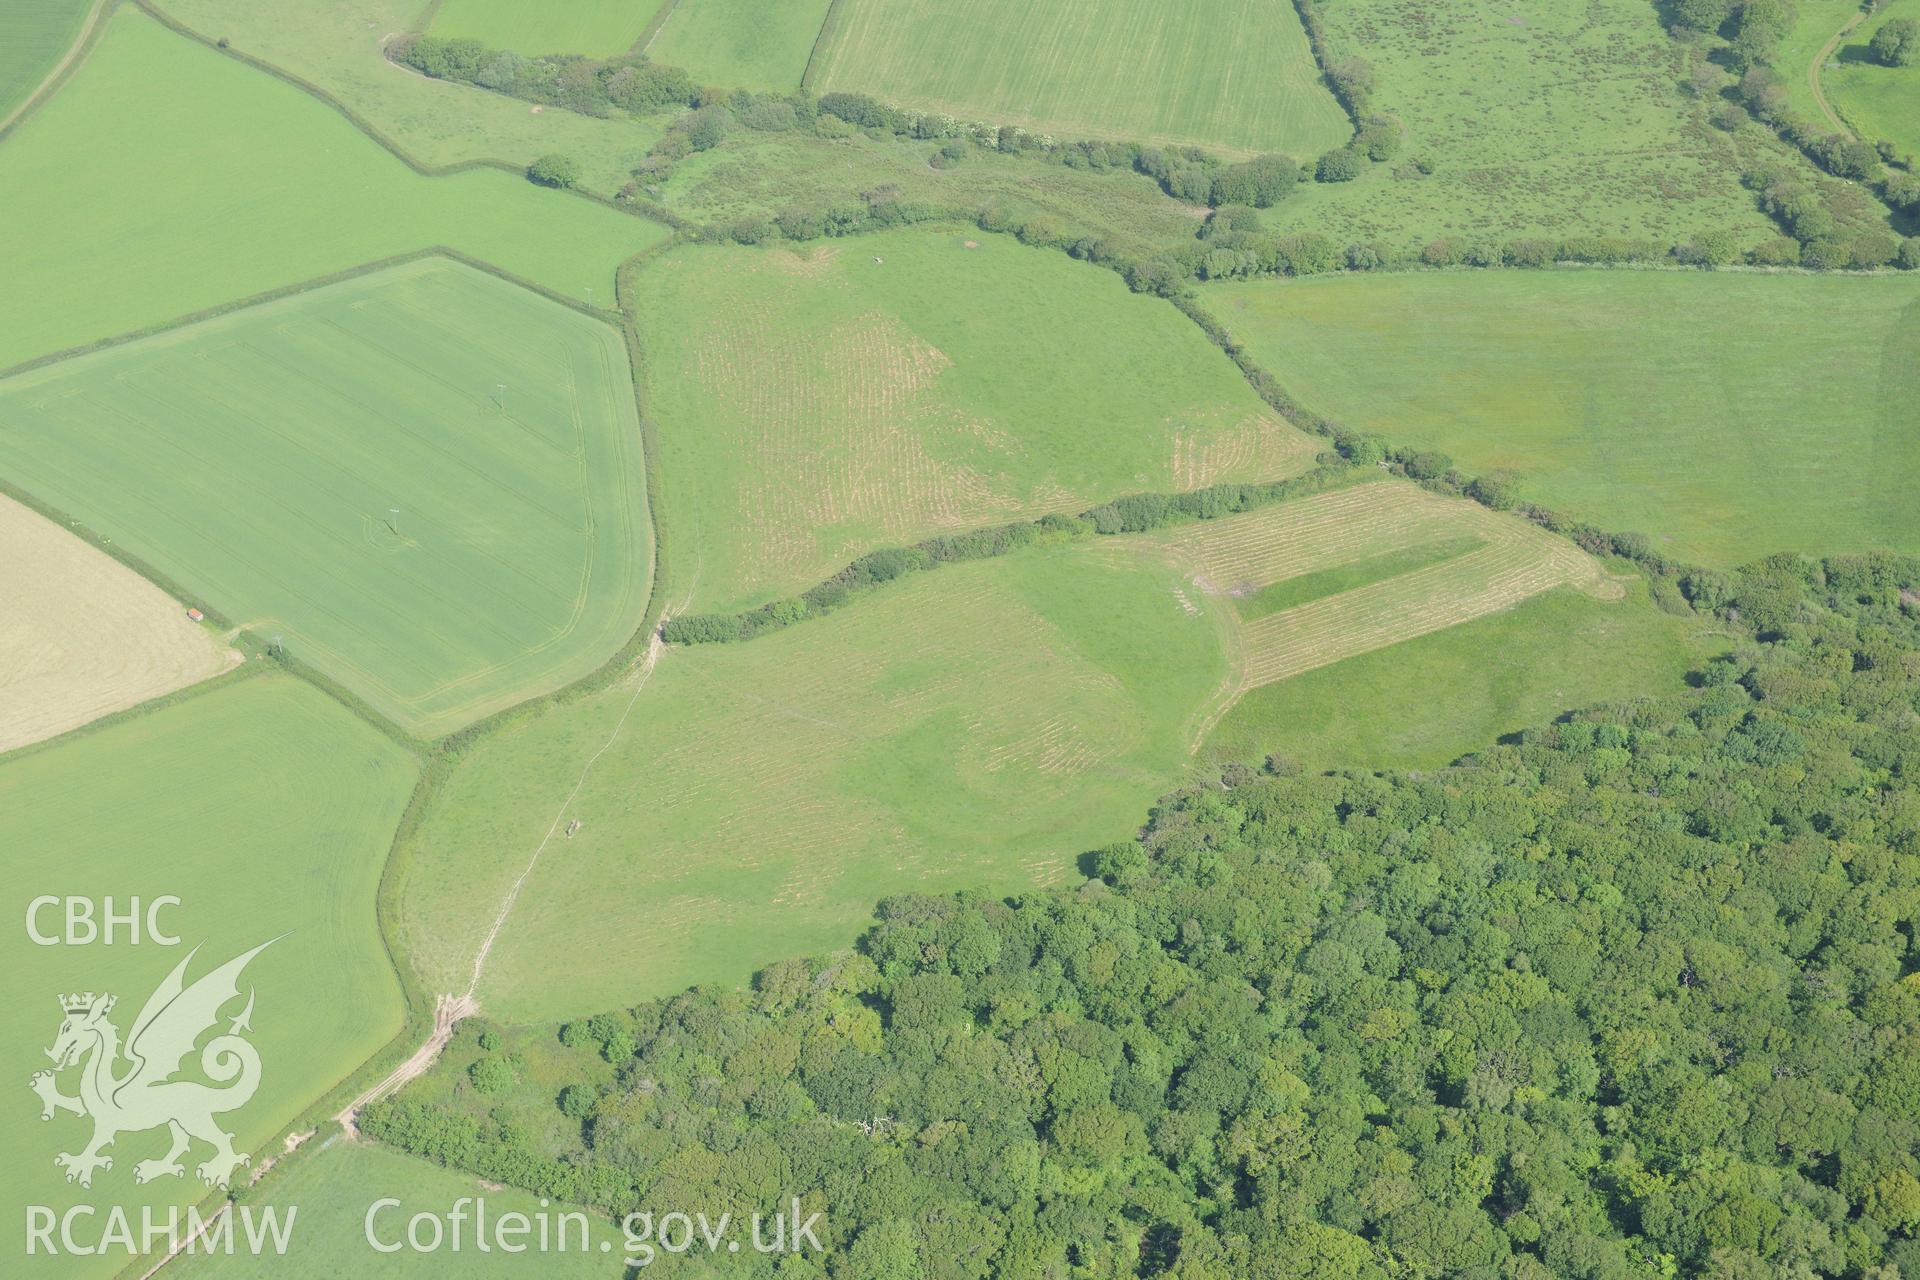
[[294, 189], [187, 798], [39, 48], [337, 602]]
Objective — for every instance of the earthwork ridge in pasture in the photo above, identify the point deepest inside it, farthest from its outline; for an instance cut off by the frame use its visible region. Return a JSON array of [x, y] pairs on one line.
[[1241, 554], [828, 403]]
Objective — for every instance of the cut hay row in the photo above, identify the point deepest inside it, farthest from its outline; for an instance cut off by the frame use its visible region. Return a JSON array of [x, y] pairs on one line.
[[1368, 618], [1243, 553], [1321, 532], [82, 635]]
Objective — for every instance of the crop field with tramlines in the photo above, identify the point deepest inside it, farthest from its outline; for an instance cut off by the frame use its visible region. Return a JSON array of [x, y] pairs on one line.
[[1670, 403], [1232, 74], [594, 28], [976, 725], [1495, 562], [751, 44], [831, 401], [425, 482], [83, 635], [295, 189], [268, 810]]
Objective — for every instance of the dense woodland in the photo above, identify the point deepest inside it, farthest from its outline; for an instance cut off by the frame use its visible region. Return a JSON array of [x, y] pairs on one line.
[[1636, 995]]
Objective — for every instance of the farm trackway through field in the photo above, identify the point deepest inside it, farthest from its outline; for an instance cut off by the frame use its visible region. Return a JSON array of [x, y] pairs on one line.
[[1819, 61], [60, 68], [450, 1009]]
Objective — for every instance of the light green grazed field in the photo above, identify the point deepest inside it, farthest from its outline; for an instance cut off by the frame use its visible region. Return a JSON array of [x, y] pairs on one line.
[[333, 1190], [281, 189], [979, 725], [745, 44], [33, 36], [1727, 416], [342, 468], [594, 28], [268, 810], [816, 404], [1232, 74]]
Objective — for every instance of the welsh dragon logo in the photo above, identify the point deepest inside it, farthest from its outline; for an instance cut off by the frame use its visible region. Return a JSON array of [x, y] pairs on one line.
[[144, 1094]]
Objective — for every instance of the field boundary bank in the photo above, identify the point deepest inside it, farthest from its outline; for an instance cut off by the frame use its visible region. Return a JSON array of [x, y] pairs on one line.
[[1323, 59], [70, 62], [829, 28], [645, 210], [437, 760], [1001, 540]]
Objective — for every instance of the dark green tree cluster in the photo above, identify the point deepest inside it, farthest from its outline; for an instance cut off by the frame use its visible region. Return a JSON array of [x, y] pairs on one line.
[[1635, 996], [1896, 43]]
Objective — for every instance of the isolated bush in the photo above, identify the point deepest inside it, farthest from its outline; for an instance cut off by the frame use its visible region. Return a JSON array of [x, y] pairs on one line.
[[1339, 165], [1379, 140], [554, 171]]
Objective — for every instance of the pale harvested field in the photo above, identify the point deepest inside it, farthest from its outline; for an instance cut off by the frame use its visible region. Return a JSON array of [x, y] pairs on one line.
[[82, 635], [1244, 553]]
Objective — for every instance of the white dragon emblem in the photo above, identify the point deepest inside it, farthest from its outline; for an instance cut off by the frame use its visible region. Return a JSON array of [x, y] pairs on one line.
[[144, 1095]]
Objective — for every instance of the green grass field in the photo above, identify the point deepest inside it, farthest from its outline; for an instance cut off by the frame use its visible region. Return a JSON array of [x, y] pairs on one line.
[[268, 810], [34, 34], [1538, 120], [1430, 700], [980, 725], [331, 1192], [817, 403], [1236, 75], [342, 468], [594, 28], [746, 44], [282, 189], [338, 45], [1726, 416]]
